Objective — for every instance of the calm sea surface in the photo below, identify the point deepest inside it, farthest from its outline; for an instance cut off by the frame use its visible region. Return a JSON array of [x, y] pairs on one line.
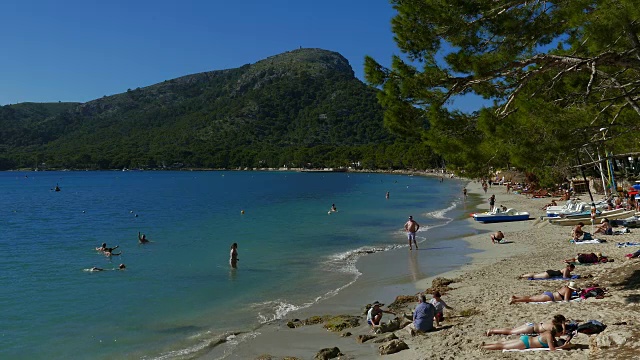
[[178, 295]]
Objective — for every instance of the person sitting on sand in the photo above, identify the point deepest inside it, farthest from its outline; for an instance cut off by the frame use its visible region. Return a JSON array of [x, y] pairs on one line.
[[577, 231], [374, 315], [604, 227], [423, 316], [552, 203], [142, 238], [497, 237], [565, 273], [439, 306], [565, 293], [545, 340], [558, 323], [591, 258]]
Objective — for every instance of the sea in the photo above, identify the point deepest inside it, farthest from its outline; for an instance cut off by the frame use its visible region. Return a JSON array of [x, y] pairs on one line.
[[178, 297]]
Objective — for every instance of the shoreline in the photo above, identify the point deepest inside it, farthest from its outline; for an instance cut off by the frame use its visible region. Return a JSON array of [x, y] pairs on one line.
[[484, 286]]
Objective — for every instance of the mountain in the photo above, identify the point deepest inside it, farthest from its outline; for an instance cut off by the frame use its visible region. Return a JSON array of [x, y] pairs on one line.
[[300, 108]]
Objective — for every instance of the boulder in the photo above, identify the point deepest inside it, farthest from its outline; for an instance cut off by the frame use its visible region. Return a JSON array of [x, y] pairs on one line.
[[392, 347], [607, 339], [345, 334], [316, 320], [364, 338], [390, 326], [388, 337], [328, 353], [341, 322]]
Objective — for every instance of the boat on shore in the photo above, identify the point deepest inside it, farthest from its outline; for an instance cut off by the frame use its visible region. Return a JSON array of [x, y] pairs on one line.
[[611, 215], [501, 216]]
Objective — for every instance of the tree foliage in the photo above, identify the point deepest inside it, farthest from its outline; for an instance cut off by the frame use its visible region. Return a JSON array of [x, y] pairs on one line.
[[557, 73]]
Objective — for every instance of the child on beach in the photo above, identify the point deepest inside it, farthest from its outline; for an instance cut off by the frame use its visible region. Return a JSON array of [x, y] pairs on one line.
[[439, 306]]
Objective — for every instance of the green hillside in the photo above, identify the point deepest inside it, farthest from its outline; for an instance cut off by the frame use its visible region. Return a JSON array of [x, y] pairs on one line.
[[299, 108]]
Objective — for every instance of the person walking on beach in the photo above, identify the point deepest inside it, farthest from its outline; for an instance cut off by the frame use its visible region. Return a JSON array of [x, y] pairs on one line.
[[492, 202], [233, 256], [464, 193], [411, 227]]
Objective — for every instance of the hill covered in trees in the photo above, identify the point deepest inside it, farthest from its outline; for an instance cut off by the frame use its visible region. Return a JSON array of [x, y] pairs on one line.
[[300, 108]]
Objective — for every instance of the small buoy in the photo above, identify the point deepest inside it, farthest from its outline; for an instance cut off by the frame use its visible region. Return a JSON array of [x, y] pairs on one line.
[[83, 211], [136, 215], [242, 212], [131, 212]]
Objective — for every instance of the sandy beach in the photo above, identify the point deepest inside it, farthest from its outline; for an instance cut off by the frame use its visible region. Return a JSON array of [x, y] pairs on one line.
[[481, 292]]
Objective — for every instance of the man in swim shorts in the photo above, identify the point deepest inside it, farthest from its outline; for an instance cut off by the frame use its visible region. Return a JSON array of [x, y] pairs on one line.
[[411, 227]]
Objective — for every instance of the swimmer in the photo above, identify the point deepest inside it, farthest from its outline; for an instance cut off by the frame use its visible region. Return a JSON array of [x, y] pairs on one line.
[[387, 196], [142, 238], [333, 208]]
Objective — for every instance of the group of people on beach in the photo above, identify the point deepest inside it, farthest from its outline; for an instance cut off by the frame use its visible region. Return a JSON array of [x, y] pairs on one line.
[[425, 314]]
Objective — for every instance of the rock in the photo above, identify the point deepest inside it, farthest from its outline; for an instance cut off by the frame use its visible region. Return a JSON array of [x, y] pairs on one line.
[[341, 322], [390, 326], [264, 357], [364, 338], [388, 337], [607, 339], [316, 320], [328, 353], [291, 324], [345, 334], [392, 347], [402, 301]]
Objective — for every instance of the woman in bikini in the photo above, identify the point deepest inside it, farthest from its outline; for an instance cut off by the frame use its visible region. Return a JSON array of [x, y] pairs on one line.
[[565, 293], [558, 323], [545, 340]]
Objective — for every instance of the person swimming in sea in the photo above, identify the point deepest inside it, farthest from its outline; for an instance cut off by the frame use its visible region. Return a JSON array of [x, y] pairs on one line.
[[95, 269], [333, 208], [142, 238]]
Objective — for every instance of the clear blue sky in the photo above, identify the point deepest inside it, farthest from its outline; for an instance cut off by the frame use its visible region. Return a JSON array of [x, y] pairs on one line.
[[81, 50]]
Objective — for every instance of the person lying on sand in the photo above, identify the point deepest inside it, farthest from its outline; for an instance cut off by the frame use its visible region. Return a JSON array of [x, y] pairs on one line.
[[591, 258], [545, 340], [552, 203], [565, 293], [565, 273], [558, 322]]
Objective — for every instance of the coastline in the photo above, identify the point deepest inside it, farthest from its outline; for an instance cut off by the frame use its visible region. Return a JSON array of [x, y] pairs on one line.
[[483, 285]]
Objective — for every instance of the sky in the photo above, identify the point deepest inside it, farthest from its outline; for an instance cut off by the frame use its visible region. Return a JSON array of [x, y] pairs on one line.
[[82, 50]]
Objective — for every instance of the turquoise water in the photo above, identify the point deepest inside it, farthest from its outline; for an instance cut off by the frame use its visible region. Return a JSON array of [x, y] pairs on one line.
[[178, 295]]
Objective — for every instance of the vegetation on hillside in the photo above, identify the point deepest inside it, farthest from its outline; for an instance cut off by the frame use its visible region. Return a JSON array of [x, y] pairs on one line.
[[303, 108]]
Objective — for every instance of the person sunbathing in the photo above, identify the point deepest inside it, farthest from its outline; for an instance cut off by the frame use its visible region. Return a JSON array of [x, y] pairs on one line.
[[577, 231], [543, 341], [565, 293], [604, 227], [592, 258], [552, 203], [565, 273], [558, 323]]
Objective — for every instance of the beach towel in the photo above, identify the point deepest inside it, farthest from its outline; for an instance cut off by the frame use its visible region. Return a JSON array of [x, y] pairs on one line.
[[573, 277], [557, 301], [625, 244], [593, 241], [536, 349]]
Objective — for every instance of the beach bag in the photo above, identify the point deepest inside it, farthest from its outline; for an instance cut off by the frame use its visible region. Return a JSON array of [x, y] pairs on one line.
[[591, 327], [587, 236], [595, 292]]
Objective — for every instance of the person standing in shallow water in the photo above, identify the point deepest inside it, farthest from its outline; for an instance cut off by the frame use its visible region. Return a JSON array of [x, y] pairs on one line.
[[233, 256], [411, 227]]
